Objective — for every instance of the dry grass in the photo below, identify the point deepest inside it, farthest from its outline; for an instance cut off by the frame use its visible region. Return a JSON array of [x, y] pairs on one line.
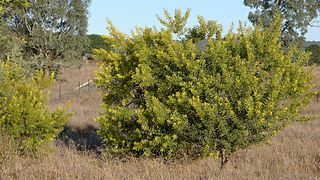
[[85, 104], [292, 154]]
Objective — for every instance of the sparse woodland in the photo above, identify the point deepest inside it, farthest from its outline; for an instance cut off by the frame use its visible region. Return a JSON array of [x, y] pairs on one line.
[[178, 102]]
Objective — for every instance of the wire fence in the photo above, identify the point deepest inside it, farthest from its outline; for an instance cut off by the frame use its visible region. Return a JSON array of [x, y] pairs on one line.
[[73, 89], [74, 83]]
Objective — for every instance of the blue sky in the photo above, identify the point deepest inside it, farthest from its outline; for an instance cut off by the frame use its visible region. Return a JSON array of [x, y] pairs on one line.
[[127, 14]]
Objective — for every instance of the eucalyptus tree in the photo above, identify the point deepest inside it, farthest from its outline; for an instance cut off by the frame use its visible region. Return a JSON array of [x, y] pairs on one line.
[[297, 16], [53, 30]]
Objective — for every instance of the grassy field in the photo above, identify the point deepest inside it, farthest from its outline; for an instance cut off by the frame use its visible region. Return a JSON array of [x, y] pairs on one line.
[[292, 154]]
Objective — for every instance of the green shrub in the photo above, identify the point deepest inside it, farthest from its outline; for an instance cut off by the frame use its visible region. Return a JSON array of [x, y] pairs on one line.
[[166, 93], [97, 42], [315, 54], [24, 114]]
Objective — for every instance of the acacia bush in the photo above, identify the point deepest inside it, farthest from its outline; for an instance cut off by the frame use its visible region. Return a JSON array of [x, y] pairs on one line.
[[24, 114], [168, 92]]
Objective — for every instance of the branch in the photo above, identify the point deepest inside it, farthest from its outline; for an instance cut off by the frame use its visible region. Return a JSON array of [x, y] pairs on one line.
[[316, 23]]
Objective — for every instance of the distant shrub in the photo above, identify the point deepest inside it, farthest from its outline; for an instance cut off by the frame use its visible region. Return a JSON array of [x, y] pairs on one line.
[[98, 42], [24, 114], [315, 54], [164, 95]]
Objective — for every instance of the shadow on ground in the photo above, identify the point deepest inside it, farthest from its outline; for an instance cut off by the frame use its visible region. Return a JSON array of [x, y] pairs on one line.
[[84, 138]]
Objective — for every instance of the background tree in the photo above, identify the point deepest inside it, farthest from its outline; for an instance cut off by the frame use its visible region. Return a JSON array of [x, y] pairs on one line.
[[18, 3], [10, 43], [98, 41], [315, 53], [297, 16], [54, 30]]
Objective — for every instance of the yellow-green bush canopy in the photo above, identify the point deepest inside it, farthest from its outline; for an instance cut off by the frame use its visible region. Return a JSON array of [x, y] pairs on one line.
[[165, 96]]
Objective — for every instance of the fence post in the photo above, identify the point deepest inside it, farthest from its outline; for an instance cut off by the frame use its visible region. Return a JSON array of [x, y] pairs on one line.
[[89, 85], [59, 91], [79, 87]]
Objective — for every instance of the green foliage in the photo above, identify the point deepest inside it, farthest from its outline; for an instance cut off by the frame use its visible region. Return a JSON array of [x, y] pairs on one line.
[[315, 54], [165, 96], [54, 31], [205, 30], [11, 45], [24, 114], [97, 42], [177, 23], [297, 16], [12, 3]]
